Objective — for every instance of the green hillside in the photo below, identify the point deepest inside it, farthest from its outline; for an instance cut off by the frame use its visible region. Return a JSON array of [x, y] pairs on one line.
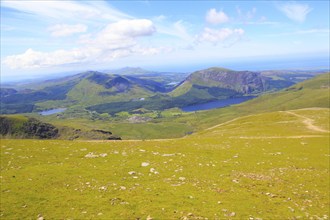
[[221, 82], [265, 166], [174, 123], [18, 126], [310, 93]]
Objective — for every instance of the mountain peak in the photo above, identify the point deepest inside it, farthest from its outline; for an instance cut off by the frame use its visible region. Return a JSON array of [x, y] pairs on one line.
[[218, 69], [131, 71]]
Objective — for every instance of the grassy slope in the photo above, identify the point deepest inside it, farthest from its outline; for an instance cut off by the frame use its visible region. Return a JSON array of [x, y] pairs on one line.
[[311, 93], [270, 166]]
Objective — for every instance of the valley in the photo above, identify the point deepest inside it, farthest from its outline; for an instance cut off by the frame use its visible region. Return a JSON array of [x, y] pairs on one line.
[[164, 110], [270, 152], [143, 105]]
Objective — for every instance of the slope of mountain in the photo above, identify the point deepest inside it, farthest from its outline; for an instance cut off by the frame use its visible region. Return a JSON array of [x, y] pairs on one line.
[[221, 82], [307, 94], [101, 88], [17, 126], [23, 127], [84, 89], [274, 162], [202, 86], [114, 93]]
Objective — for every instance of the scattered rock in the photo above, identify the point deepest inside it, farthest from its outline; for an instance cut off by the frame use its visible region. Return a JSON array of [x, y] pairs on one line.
[[168, 155], [104, 188], [93, 155], [235, 181], [149, 217], [145, 164], [182, 178], [131, 172], [291, 209], [122, 188], [153, 170]]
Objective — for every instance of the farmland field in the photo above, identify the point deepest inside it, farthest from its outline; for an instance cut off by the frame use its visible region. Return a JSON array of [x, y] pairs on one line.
[[264, 166]]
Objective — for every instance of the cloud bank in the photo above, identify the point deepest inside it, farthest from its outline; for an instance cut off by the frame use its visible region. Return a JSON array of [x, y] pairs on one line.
[[117, 39]]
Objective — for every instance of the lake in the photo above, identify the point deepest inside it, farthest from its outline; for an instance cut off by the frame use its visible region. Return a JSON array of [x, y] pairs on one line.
[[52, 111], [216, 104]]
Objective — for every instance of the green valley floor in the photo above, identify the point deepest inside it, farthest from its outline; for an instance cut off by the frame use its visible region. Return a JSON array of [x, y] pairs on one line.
[[265, 166]]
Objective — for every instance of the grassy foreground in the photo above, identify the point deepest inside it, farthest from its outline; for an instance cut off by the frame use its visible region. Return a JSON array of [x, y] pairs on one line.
[[266, 166]]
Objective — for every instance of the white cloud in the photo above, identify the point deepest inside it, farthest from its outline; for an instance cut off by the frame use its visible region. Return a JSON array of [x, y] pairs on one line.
[[224, 35], [178, 29], [181, 30], [116, 40], [121, 34], [67, 10], [216, 17], [246, 16], [295, 11], [36, 59], [64, 30]]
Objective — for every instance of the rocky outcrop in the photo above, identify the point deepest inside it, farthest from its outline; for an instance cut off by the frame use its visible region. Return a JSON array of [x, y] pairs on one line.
[[245, 82]]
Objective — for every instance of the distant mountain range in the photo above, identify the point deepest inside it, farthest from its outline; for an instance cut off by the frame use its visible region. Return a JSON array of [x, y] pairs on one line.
[[133, 88]]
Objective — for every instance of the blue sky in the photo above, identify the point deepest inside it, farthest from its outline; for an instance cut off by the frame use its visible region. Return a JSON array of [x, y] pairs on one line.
[[41, 37]]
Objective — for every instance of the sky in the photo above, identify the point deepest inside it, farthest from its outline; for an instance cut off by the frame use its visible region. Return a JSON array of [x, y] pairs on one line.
[[43, 37]]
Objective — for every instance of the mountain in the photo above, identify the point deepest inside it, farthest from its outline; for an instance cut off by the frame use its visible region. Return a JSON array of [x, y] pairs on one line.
[[312, 93], [199, 87], [131, 71], [113, 93], [220, 82], [84, 89]]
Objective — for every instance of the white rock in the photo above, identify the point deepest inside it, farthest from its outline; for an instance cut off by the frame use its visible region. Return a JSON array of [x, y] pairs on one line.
[[182, 178], [168, 155], [131, 172], [144, 164], [122, 188], [91, 155]]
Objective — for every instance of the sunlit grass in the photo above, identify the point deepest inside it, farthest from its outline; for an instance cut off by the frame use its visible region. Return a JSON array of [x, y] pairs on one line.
[[269, 166]]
